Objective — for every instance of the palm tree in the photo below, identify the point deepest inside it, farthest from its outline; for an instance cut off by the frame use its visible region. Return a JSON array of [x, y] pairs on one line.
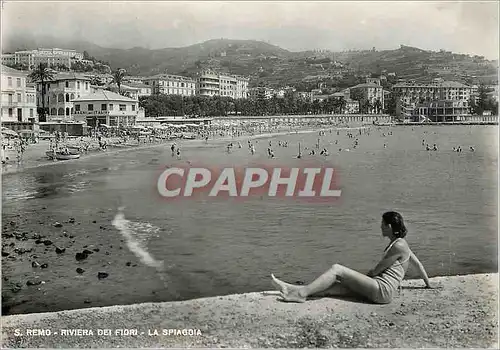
[[118, 76], [42, 74], [95, 80], [342, 105], [378, 106]]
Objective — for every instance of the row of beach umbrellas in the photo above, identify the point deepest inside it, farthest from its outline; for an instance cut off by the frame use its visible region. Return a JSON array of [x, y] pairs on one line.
[[6, 132]]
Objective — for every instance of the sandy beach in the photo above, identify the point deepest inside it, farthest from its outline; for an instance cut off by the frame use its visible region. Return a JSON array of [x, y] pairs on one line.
[[461, 312], [35, 154]]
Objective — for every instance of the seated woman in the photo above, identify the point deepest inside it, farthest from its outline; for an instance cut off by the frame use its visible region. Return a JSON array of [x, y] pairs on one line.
[[378, 286]]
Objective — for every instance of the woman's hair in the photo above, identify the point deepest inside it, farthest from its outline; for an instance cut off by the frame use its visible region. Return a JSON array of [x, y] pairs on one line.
[[395, 220]]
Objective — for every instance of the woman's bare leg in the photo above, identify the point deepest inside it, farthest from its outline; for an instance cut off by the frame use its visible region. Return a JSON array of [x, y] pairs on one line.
[[353, 280]]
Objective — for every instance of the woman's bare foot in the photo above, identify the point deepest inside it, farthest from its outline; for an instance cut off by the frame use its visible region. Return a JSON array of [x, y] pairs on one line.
[[289, 292]]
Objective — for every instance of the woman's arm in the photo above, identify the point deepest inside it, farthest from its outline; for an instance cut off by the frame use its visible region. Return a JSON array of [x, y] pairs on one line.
[[385, 263], [414, 260]]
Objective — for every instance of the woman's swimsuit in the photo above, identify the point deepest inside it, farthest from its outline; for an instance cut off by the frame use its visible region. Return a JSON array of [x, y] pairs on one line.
[[390, 279]]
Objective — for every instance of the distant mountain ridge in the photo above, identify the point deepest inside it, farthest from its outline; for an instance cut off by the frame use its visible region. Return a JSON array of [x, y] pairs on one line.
[[272, 65]]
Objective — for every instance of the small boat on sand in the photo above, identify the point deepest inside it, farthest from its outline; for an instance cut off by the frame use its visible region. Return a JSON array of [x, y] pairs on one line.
[[66, 156], [50, 154]]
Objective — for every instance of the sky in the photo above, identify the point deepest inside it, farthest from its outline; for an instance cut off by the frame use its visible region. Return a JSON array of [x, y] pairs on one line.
[[464, 27]]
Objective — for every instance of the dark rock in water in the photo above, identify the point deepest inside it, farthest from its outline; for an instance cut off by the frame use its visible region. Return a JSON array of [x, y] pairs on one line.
[[38, 241], [134, 265], [16, 288], [128, 263], [71, 220], [80, 270], [47, 242], [85, 246], [96, 250], [8, 235], [44, 266], [4, 253], [81, 256], [33, 283], [44, 207], [121, 247], [102, 227], [35, 264], [94, 222], [86, 251], [60, 250], [107, 253], [12, 223], [20, 251], [57, 224], [36, 236], [12, 244], [71, 236], [101, 275]]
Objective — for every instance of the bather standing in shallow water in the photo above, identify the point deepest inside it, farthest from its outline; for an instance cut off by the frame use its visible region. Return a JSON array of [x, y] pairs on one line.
[[379, 285]]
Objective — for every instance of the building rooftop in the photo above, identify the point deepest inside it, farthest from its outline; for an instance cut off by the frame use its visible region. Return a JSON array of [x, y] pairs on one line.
[[70, 76], [169, 76], [450, 84], [8, 70], [366, 85], [104, 95]]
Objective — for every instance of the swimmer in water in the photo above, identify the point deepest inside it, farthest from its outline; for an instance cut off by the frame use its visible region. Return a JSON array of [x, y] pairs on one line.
[[472, 149], [178, 153], [434, 148]]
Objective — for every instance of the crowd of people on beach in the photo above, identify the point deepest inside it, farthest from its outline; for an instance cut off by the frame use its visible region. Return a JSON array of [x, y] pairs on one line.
[[100, 139]]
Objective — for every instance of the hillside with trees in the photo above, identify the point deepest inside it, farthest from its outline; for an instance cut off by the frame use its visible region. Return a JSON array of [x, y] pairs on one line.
[[273, 66]]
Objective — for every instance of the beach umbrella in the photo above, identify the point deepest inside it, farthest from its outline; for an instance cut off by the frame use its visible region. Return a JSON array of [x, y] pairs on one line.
[[9, 133], [28, 131]]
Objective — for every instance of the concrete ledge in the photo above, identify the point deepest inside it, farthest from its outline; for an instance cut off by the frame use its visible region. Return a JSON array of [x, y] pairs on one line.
[[461, 312]]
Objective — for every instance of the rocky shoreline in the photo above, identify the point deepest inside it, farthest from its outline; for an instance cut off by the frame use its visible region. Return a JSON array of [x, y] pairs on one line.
[[460, 312]]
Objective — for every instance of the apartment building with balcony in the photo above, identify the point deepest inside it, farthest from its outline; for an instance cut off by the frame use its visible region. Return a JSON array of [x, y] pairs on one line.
[[441, 111], [171, 84], [261, 93], [106, 107], [60, 93], [18, 99], [32, 58], [370, 96], [211, 83], [439, 100]]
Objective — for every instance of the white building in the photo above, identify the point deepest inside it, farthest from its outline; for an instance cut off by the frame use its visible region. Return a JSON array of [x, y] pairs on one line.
[[18, 97], [32, 58], [171, 84], [260, 93], [106, 107], [60, 93], [211, 83]]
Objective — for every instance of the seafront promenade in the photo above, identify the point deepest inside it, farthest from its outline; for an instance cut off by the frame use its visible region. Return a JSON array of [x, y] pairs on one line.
[[461, 312]]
